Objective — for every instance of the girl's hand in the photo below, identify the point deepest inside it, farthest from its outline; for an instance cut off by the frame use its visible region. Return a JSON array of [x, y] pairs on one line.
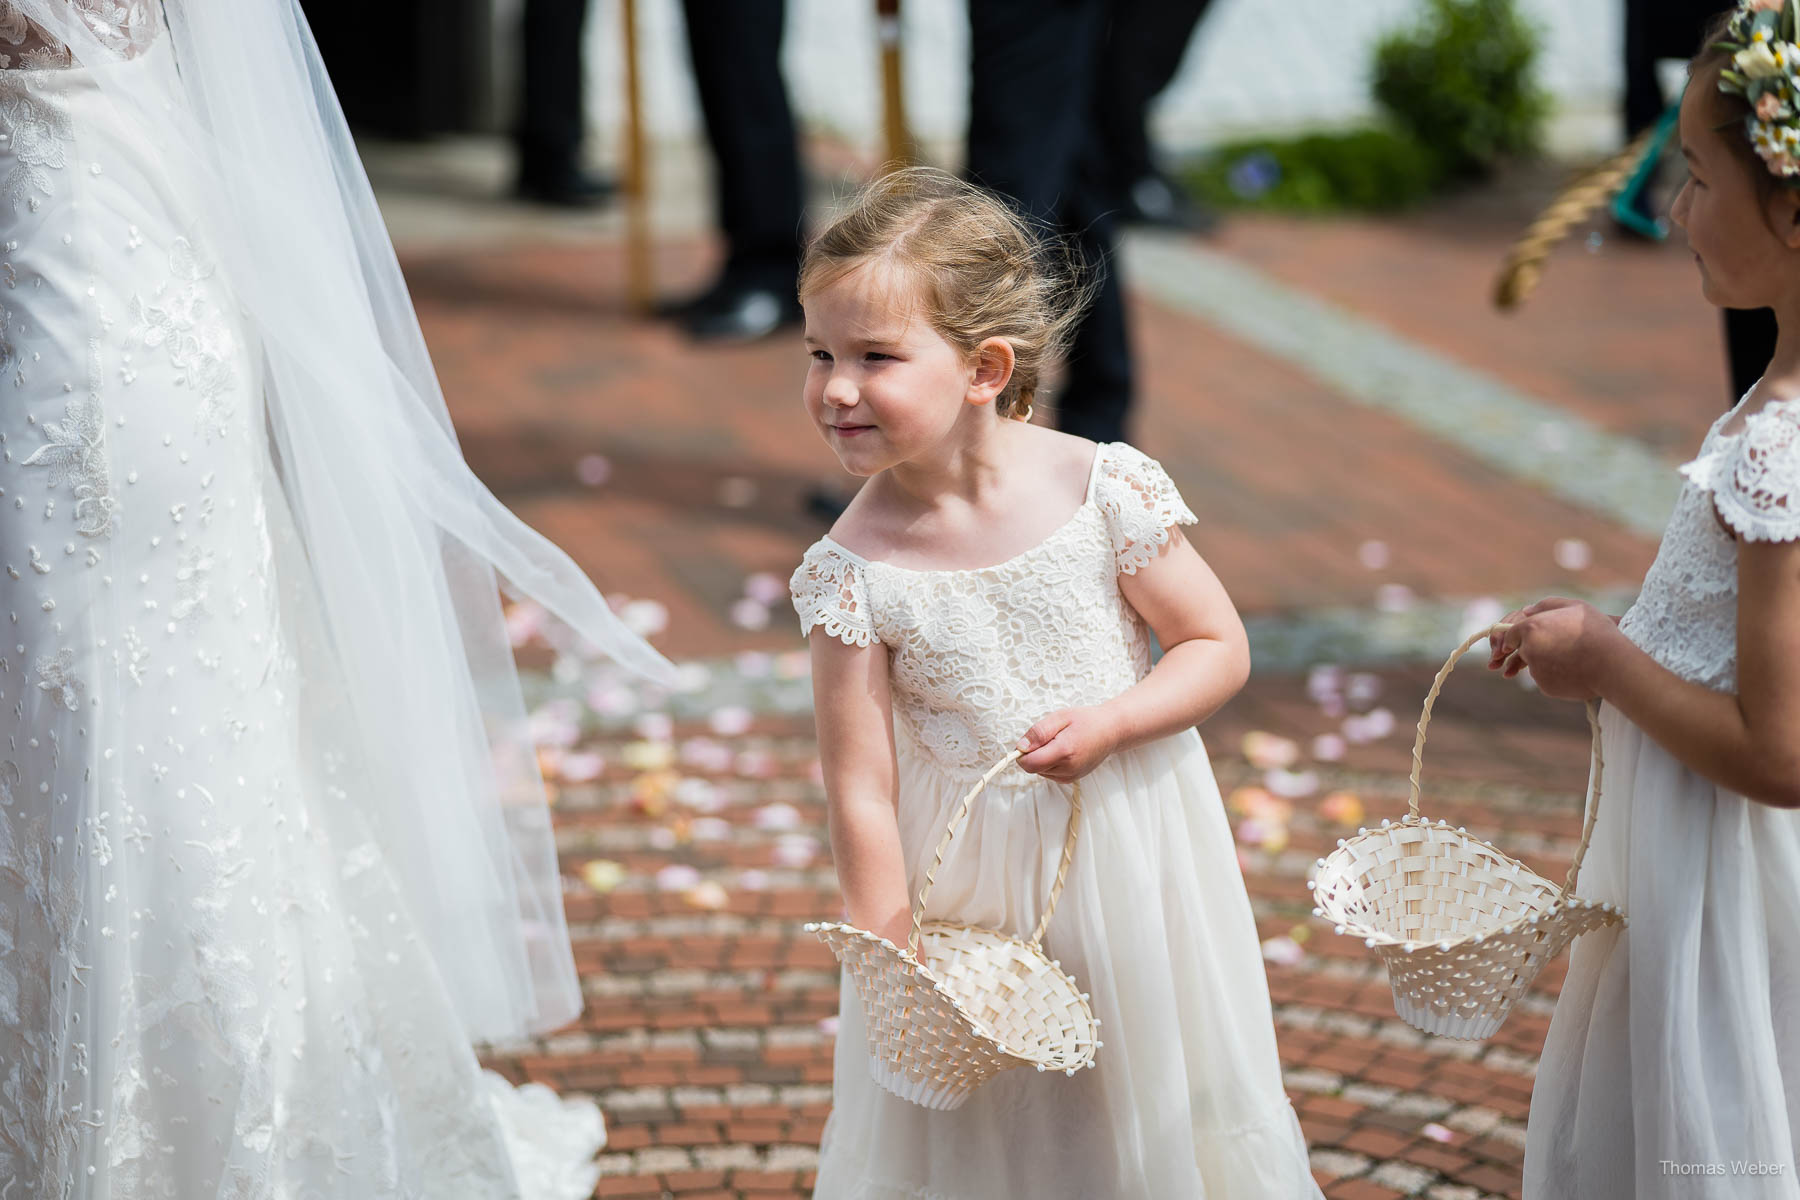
[[1068, 744], [1562, 642]]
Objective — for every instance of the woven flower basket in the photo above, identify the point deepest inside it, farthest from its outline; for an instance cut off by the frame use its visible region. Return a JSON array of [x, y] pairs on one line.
[[960, 1003], [1463, 927]]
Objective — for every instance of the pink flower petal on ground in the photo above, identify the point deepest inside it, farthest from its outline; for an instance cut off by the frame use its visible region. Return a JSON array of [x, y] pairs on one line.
[[524, 621], [602, 875], [1265, 750], [731, 721], [648, 755], [1249, 801], [828, 1026], [795, 851], [1328, 747], [661, 837], [1573, 554], [612, 701], [700, 795], [753, 881], [1342, 808], [1253, 832], [646, 618], [1438, 1133], [750, 615], [754, 664], [1380, 723], [777, 816], [708, 895], [766, 588], [710, 829], [581, 768], [1362, 688], [593, 469], [1373, 555], [737, 492], [1291, 785], [677, 877], [654, 726], [756, 764], [1393, 598], [1282, 951]]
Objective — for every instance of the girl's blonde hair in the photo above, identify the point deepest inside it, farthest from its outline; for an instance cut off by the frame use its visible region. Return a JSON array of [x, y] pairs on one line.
[[978, 269]]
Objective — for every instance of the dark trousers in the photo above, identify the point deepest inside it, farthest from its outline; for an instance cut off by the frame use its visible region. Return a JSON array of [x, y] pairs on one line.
[[550, 128], [1144, 47], [736, 49], [1033, 138]]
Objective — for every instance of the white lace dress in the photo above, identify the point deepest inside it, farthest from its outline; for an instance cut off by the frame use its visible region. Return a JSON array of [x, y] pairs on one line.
[[208, 987], [1672, 1066], [1186, 1099]]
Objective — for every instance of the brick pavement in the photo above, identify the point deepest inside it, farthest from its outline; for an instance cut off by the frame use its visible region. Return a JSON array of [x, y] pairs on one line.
[[692, 827]]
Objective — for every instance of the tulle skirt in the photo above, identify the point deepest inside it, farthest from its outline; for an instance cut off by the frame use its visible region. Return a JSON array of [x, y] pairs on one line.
[[1672, 1062], [1186, 1098]]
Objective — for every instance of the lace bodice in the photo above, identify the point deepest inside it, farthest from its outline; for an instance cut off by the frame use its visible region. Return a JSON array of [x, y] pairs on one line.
[[1686, 615], [122, 27], [977, 656]]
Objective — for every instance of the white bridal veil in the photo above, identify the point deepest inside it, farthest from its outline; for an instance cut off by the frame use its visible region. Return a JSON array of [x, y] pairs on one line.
[[403, 543]]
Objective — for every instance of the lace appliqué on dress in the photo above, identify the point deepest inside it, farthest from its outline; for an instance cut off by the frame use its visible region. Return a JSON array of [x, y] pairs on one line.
[[184, 320], [829, 590], [1754, 477], [37, 137], [1140, 503], [75, 452]]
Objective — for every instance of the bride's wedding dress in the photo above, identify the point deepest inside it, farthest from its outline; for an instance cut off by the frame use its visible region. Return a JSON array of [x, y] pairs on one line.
[[214, 981]]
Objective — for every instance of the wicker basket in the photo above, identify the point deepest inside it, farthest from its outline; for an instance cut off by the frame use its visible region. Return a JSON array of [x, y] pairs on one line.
[[1463, 927], [961, 1004]]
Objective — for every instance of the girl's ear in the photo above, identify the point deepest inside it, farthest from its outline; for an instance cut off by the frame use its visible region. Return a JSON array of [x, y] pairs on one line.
[[1785, 215], [993, 362]]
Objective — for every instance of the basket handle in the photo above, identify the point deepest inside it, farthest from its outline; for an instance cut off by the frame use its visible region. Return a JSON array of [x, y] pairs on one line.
[[1591, 801], [957, 818]]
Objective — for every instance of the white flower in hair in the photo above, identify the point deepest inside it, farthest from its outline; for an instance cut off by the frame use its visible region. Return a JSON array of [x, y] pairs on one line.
[[1757, 61]]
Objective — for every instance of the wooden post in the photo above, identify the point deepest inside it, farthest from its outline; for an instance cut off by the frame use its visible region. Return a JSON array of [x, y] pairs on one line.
[[639, 285], [893, 90]]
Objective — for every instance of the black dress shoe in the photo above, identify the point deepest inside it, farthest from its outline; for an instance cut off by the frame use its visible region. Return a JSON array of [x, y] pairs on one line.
[[741, 314], [1160, 201], [572, 188]]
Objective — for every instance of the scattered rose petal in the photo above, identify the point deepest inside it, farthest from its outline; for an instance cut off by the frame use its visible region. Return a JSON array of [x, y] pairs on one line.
[[602, 875], [1573, 554], [795, 850], [1328, 747], [756, 764], [828, 1026], [581, 768], [737, 492], [776, 816], [662, 837], [1282, 951], [707, 894], [1254, 832], [647, 755], [1373, 555], [1323, 681], [1249, 801], [1264, 750], [1300, 933], [700, 795], [1438, 1133], [753, 881], [1291, 785], [654, 726], [646, 618], [1342, 808], [677, 877], [612, 701], [593, 469], [754, 664], [1379, 722], [524, 621], [706, 754], [766, 588], [710, 829], [1393, 598], [730, 721], [750, 615], [1362, 688], [795, 664]]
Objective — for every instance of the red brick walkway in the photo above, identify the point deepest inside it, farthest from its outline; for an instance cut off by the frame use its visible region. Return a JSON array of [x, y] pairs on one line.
[[695, 848]]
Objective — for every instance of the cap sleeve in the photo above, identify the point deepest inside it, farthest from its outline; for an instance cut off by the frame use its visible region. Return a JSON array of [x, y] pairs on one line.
[[829, 590], [1140, 504], [1755, 478]]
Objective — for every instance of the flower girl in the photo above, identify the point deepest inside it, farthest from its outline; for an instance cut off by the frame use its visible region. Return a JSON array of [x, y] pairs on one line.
[[1670, 1068], [994, 586]]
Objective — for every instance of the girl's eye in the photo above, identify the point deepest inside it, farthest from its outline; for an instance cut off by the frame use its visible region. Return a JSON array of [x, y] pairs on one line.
[[819, 355], [877, 356]]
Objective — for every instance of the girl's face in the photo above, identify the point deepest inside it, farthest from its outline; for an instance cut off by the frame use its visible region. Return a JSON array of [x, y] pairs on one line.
[[1736, 234], [884, 386]]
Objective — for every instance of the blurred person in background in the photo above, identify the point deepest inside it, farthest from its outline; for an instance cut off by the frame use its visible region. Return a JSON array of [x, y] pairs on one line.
[[1143, 49], [1671, 29], [736, 50], [551, 126]]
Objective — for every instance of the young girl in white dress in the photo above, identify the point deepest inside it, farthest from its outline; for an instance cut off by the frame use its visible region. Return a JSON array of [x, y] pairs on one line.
[[1672, 1065], [994, 584]]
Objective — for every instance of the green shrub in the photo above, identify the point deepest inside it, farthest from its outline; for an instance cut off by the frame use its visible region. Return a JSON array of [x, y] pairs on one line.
[[1461, 82], [1368, 170]]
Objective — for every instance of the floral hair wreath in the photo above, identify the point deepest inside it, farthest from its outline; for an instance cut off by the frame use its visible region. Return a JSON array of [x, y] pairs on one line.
[[1765, 71]]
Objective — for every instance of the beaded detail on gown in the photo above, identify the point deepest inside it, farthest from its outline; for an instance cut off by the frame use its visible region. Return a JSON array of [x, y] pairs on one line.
[[209, 985]]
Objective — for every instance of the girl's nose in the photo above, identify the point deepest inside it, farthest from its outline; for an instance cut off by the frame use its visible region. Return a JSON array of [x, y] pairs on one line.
[[839, 392]]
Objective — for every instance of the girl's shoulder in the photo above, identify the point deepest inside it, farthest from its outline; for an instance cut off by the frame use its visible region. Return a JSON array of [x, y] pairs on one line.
[[1139, 501], [1753, 473], [829, 591]]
